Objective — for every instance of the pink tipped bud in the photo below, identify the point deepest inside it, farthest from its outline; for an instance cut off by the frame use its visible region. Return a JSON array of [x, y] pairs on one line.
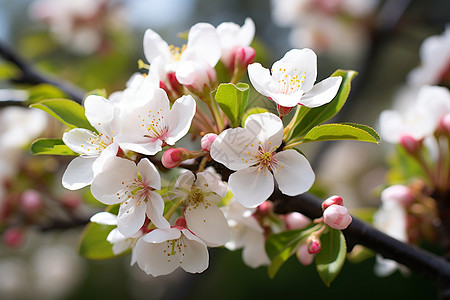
[[333, 200], [173, 157], [180, 223], [13, 237], [207, 141], [398, 193], [296, 220], [243, 56], [283, 110], [265, 208], [410, 144], [303, 255], [31, 201], [314, 246], [444, 123], [337, 217]]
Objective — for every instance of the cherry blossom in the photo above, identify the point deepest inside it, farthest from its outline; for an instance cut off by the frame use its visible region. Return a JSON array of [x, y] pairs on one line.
[[193, 63], [246, 233], [131, 185], [148, 127], [161, 251], [336, 216], [233, 37], [253, 152], [291, 80], [95, 147], [201, 193]]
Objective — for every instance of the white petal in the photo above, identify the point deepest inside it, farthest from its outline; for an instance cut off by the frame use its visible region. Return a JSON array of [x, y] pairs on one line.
[[155, 46], [139, 144], [298, 61], [204, 41], [162, 234], [391, 126], [100, 113], [251, 187], [267, 127], [254, 253], [196, 257], [322, 93], [235, 148], [294, 174], [149, 174], [107, 153], [77, 140], [79, 173], [115, 236], [207, 221], [105, 218], [131, 217], [152, 259], [260, 78], [180, 117], [286, 100], [108, 183], [212, 182], [185, 181], [155, 210]]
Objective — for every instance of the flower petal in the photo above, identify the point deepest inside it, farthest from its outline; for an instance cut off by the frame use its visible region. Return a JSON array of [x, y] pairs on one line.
[[212, 182], [107, 153], [250, 186], [77, 140], [322, 93], [294, 174], [101, 113], [131, 216], [149, 174], [254, 253], [179, 118], [196, 257], [235, 148], [260, 78], [207, 221], [155, 210], [79, 173], [104, 218], [155, 46], [204, 41], [267, 127]]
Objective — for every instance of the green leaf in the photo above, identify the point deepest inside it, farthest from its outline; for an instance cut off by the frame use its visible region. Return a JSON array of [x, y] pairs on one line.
[[98, 92], [331, 258], [8, 70], [280, 247], [44, 91], [51, 146], [347, 131], [93, 243], [307, 118], [233, 99], [67, 111], [253, 110]]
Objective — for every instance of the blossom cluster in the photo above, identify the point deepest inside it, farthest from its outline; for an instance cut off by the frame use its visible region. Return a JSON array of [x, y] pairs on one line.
[[219, 197]]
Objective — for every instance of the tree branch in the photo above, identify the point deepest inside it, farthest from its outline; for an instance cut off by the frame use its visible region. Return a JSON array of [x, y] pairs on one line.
[[428, 265], [31, 76]]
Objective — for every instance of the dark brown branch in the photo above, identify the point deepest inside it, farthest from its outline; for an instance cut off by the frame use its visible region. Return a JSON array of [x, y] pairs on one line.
[[31, 76], [426, 264]]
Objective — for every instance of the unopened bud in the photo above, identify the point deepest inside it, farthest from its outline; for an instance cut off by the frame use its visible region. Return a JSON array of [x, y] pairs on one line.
[[295, 220], [265, 208], [31, 201], [173, 157], [410, 144], [303, 255], [398, 193], [333, 200], [243, 56], [314, 246], [13, 237], [207, 141], [337, 217], [283, 110]]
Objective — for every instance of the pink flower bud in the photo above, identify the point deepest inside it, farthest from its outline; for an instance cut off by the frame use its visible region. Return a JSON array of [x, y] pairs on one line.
[[337, 217], [173, 157], [13, 237], [31, 201], [207, 141], [303, 255], [314, 246], [333, 200], [296, 220], [265, 208], [398, 193], [243, 56], [410, 144], [283, 110]]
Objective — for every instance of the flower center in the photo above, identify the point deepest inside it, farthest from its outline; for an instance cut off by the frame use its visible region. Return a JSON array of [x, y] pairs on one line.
[[155, 125], [266, 158], [99, 141], [289, 83], [174, 247], [177, 51]]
